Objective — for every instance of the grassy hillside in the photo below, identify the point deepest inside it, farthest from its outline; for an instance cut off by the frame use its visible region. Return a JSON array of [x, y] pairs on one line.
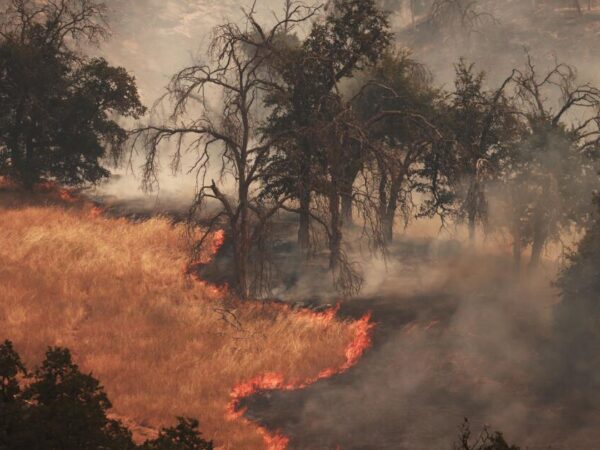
[[163, 345]]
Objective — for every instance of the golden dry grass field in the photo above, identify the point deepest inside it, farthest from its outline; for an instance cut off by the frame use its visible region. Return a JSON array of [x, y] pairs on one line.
[[114, 292]]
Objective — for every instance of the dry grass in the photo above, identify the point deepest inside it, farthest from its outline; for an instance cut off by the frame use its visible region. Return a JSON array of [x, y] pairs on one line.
[[114, 293]]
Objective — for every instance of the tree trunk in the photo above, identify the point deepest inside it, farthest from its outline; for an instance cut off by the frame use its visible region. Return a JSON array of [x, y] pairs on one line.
[[349, 173], [29, 173], [347, 208], [539, 241], [15, 147], [472, 227], [240, 267], [388, 213], [335, 238], [387, 225], [304, 220], [304, 195], [243, 245]]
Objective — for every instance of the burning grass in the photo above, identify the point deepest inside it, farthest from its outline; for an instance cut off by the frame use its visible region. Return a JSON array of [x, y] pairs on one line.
[[163, 345]]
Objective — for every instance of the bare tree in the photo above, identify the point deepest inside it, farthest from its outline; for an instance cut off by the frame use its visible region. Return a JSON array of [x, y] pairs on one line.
[[229, 139]]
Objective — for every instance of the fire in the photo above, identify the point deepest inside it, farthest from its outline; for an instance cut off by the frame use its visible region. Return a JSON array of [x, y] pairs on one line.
[[274, 381], [217, 242], [274, 441], [66, 195], [96, 212]]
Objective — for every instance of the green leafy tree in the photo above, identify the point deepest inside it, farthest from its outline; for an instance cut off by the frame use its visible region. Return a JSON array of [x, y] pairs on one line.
[[60, 111], [352, 36]]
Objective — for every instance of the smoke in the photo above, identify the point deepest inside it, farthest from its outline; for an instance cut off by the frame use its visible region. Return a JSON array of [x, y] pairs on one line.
[[458, 335], [500, 35]]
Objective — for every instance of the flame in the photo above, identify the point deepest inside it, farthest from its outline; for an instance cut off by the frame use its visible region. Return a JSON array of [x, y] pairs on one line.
[[275, 381], [66, 195], [274, 441], [96, 212], [217, 242]]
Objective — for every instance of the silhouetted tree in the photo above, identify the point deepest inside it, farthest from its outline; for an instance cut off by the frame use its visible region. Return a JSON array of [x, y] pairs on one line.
[[480, 127], [61, 408], [183, 436], [398, 104], [230, 140], [352, 36]]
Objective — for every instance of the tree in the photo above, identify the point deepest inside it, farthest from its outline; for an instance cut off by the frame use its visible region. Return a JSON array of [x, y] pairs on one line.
[[59, 114], [62, 408], [552, 177], [230, 139], [486, 440], [352, 36], [398, 105], [576, 319], [183, 436], [480, 128]]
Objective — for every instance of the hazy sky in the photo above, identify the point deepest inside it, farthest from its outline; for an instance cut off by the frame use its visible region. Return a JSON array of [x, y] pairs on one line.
[[155, 38]]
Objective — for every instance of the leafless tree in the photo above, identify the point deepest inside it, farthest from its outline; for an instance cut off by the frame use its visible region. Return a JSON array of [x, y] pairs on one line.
[[228, 139], [65, 20]]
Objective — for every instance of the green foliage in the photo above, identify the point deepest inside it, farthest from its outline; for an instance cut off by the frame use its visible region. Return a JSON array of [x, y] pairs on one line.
[[353, 36], [59, 115], [183, 436], [63, 409]]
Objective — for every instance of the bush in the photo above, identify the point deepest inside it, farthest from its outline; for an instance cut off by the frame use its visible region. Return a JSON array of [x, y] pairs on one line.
[[61, 408]]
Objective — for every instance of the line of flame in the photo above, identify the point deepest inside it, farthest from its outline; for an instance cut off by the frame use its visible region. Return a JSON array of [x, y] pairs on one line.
[[274, 381]]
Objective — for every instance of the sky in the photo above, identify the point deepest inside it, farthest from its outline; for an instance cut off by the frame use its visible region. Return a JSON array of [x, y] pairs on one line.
[[153, 39]]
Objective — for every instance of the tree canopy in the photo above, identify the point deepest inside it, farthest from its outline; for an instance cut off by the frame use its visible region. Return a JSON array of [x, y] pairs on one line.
[[59, 407], [60, 114]]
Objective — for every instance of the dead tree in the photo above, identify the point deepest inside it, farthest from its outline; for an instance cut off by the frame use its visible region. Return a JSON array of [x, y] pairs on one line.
[[227, 138]]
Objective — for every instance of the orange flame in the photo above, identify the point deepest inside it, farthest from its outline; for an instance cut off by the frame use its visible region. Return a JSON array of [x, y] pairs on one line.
[[274, 381], [96, 212], [66, 195]]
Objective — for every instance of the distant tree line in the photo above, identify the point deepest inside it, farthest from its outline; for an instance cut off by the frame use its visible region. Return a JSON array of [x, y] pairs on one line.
[[57, 407]]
